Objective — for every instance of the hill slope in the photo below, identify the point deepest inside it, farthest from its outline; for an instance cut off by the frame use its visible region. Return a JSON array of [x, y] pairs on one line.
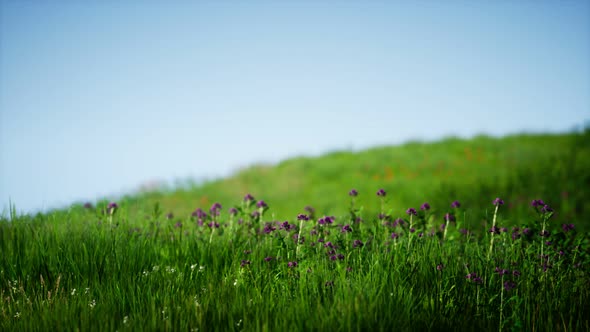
[[518, 168]]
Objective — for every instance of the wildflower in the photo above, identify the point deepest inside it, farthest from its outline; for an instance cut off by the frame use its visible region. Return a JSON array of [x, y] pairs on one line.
[[353, 193], [527, 231], [310, 210], [213, 225], [247, 252], [302, 217], [504, 229], [537, 202], [394, 235], [381, 193], [88, 206], [425, 207], [567, 227], [268, 259], [346, 229], [178, 225], [333, 257], [464, 231], [292, 264], [261, 205], [412, 230], [501, 271], [233, 211], [411, 211], [112, 208], [509, 285], [440, 267], [328, 244], [244, 263], [268, 228], [398, 221], [215, 209], [546, 209], [449, 217], [455, 204], [516, 273], [170, 216], [515, 235], [249, 198], [495, 230], [340, 256], [544, 233], [498, 201], [199, 213], [357, 244]]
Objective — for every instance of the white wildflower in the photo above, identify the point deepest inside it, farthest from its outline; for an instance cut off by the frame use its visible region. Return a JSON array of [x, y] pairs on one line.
[[125, 320], [92, 304], [73, 292]]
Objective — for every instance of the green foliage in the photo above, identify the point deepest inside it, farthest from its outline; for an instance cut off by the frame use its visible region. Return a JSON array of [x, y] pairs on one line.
[[89, 268]]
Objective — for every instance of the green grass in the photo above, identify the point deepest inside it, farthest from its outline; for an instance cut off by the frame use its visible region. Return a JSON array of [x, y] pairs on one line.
[[136, 269]]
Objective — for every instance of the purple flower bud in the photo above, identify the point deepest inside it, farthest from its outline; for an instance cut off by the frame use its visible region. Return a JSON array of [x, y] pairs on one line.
[[546, 209], [455, 204], [509, 285], [357, 244], [516, 273], [244, 262], [495, 230], [346, 229], [88, 205], [381, 193], [303, 217], [394, 235], [292, 264], [567, 227], [498, 201], [353, 193], [449, 217], [233, 211], [112, 208], [249, 198], [261, 204], [425, 207], [268, 259], [411, 211]]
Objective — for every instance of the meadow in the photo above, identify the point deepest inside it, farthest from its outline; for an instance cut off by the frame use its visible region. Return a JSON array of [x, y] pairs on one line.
[[473, 234]]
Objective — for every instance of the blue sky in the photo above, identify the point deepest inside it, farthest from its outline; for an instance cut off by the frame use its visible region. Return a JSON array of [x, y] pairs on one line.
[[98, 98]]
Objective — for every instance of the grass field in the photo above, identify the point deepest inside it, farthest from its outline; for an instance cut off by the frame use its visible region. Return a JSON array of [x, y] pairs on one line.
[[450, 235]]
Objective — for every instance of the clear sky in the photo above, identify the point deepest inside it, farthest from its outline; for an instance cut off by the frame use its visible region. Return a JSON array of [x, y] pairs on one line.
[[97, 98]]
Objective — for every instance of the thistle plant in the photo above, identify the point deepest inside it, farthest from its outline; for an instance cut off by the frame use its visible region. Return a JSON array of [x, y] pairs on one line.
[[497, 202]]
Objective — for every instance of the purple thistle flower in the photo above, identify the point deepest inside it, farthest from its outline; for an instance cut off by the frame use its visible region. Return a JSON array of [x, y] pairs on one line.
[[255, 215], [449, 217], [88, 205], [199, 213], [303, 217], [567, 227], [213, 225], [546, 209], [498, 201], [527, 231], [464, 231], [398, 221], [244, 263], [328, 245], [178, 225], [340, 256], [353, 193], [495, 230], [268, 228], [425, 207], [292, 264], [544, 233], [268, 259], [515, 235], [333, 258], [455, 204], [503, 229], [170, 215], [509, 285], [346, 229], [440, 267], [516, 273], [313, 232], [233, 211], [381, 193], [411, 211], [394, 235], [412, 230], [249, 198], [537, 203], [501, 271], [357, 244], [112, 208], [261, 205]]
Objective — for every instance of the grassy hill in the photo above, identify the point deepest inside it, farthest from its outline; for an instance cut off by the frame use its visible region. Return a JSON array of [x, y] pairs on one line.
[[517, 168]]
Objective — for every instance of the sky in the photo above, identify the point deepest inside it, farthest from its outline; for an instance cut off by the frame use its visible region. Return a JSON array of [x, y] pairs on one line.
[[100, 98]]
